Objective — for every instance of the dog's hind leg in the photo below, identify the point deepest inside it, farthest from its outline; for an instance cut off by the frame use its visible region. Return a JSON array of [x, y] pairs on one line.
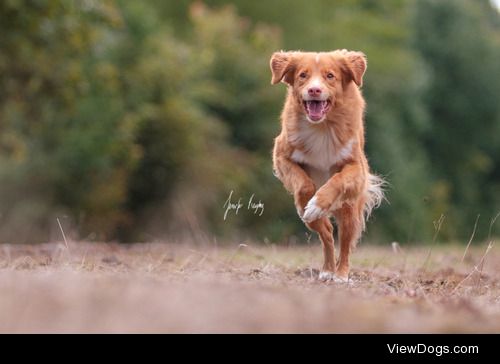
[[324, 228]]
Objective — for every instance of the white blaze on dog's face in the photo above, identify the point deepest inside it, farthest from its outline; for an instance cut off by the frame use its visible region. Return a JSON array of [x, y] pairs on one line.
[[318, 79]]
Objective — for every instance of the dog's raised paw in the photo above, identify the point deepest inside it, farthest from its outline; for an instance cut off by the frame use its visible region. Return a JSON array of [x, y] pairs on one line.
[[312, 211]]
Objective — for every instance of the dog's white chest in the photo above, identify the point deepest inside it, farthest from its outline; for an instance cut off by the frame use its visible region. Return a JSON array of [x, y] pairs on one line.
[[321, 149]]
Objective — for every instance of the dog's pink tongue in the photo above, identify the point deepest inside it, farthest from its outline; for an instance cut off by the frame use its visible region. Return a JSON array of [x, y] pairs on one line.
[[315, 110]]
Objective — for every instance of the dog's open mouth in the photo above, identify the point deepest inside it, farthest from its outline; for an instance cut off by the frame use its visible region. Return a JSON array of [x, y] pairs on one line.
[[317, 109]]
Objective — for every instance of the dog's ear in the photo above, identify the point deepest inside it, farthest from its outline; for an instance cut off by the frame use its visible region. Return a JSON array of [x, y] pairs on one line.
[[355, 66], [282, 67]]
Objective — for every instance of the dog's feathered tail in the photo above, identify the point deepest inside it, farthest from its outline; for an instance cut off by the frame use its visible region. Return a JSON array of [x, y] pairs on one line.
[[374, 195], [373, 198]]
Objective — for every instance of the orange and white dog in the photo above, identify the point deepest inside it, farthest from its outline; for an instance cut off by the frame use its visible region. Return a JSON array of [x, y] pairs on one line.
[[319, 154]]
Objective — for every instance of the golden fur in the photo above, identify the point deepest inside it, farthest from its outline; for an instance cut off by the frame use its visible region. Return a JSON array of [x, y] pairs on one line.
[[319, 154]]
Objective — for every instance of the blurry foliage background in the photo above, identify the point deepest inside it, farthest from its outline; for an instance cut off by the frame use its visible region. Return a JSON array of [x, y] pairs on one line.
[[133, 120]]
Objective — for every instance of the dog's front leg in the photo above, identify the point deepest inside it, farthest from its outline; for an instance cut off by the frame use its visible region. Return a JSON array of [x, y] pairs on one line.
[[342, 186], [295, 180], [302, 187], [292, 175]]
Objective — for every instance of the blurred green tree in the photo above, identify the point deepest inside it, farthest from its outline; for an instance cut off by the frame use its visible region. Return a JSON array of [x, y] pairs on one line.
[[63, 148], [460, 45], [137, 119]]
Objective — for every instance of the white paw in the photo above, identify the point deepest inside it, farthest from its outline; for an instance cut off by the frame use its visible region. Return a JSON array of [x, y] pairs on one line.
[[312, 211], [326, 276], [338, 279]]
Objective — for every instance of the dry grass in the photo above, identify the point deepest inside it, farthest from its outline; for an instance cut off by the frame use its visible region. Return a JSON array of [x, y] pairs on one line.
[[176, 288]]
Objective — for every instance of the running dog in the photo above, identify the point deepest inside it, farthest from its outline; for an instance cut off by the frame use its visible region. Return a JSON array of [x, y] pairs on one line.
[[319, 154]]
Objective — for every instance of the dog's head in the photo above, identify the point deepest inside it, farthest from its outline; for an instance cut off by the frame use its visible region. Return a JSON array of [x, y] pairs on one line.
[[318, 80]]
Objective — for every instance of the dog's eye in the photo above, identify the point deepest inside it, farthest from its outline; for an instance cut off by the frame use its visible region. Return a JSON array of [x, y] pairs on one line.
[[303, 75], [330, 76]]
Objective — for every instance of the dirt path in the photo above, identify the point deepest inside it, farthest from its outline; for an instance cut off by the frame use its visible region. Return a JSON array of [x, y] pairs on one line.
[[171, 288]]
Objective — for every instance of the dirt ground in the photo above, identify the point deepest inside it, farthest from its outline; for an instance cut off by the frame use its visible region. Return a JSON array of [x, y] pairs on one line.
[[160, 287]]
